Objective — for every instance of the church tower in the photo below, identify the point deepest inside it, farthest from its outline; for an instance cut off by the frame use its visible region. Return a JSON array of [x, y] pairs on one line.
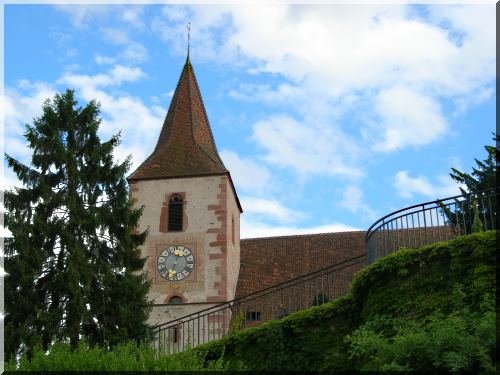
[[191, 209]]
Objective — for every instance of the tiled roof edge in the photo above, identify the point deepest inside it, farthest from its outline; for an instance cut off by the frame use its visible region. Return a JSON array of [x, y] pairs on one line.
[[302, 235], [179, 176]]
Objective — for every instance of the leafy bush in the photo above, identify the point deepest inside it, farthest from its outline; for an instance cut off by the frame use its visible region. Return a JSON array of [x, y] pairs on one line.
[[126, 357], [418, 311], [459, 342], [438, 315]]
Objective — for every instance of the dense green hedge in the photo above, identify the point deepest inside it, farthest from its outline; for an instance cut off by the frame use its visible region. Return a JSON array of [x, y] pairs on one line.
[[418, 287], [426, 309], [126, 357], [414, 283]]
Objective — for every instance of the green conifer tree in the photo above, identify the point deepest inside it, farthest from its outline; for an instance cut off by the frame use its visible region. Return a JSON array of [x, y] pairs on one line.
[[479, 211], [73, 262], [483, 177]]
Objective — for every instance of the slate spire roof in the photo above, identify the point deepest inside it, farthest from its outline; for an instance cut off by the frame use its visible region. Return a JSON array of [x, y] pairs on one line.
[[186, 145]]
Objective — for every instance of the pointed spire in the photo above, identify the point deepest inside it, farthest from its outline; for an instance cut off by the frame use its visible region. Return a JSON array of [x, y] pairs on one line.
[[186, 145]]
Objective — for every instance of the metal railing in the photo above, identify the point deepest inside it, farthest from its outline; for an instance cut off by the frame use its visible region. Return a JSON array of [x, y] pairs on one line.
[[275, 302], [430, 222]]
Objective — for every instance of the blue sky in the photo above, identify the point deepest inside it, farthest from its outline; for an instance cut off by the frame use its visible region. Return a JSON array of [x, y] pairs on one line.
[[328, 117]]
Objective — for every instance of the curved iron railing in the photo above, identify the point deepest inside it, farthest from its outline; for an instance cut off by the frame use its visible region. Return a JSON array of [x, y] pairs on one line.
[[430, 222], [274, 302]]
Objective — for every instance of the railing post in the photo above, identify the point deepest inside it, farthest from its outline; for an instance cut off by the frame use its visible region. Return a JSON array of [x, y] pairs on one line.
[[425, 226], [392, 226]]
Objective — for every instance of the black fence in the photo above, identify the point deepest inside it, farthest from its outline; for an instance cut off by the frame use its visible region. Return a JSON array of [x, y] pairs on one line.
[[430, 222], [271, 303]]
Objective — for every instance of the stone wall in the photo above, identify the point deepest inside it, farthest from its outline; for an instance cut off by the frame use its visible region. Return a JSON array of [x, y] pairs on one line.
[[209, 202]]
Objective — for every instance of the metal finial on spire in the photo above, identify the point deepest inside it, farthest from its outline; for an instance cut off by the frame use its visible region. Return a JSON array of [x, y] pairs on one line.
[[188, 27]]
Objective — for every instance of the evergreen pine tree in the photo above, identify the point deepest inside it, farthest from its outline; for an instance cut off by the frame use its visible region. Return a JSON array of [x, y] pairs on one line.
[[479, 211], [73, 262], [483, 177]]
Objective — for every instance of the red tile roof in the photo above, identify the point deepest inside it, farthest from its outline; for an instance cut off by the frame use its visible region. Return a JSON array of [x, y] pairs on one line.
[[272, 260], [186, 146]]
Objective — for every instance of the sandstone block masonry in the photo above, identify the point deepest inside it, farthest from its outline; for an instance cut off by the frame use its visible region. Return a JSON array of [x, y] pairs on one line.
[[211, 216]]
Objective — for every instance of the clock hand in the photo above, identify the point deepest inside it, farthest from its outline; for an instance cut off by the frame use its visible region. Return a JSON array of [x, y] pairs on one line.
[[171, 273]]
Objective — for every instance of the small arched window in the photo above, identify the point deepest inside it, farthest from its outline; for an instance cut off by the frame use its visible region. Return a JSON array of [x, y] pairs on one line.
[[175, 205], [175, 300]]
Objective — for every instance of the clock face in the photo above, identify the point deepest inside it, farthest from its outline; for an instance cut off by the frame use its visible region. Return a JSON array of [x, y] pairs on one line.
[[175, 263]]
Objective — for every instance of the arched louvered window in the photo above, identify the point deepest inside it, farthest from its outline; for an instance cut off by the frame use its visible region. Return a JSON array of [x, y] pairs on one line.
[[175, 207], [175, 300]]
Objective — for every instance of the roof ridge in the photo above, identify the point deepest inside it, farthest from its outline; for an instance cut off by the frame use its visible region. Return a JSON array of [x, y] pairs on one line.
[[174, 112], [189, 66], [159, 147], [303, 235], [205, 115], [186, 145]]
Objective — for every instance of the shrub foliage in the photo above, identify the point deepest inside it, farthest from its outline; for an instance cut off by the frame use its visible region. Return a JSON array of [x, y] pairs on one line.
[[431, 309]]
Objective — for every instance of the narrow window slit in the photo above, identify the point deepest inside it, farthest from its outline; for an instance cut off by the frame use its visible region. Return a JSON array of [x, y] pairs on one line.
[[175, 208]]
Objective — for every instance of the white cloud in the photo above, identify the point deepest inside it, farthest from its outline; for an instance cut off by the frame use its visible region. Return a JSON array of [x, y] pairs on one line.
[[206, 22], [9, 180], [470, 29], [352, 200], [123, 73], [138, 151], [408, 187], [133, 16], [4, 233], [284, 94], [81, 14], [271, 209], [139, 123], [247, 174], [174, 14], [134, 53], [389, 49], [114, 35], [386, 43], [408, 118], [253, 229], [115, 76], [463, 103], [19, 110], [72, 52], [310, 148], [104, 60], [17, 147]]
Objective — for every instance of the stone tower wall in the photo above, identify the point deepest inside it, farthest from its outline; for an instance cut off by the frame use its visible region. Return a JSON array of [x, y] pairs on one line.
[[208, 210]]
